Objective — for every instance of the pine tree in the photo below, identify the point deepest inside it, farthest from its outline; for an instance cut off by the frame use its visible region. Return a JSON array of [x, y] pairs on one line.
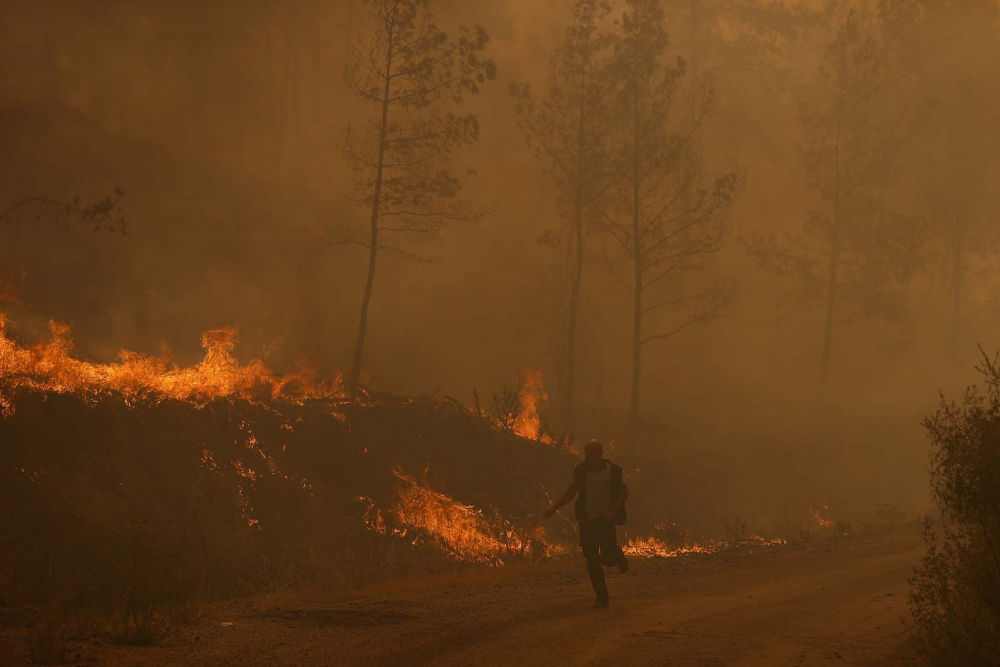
[[565, 128], [953, 53], [414, 77], [666, 216], [854, 249]]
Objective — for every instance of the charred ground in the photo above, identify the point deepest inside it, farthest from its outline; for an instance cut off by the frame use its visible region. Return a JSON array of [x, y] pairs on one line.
[[235, 496]]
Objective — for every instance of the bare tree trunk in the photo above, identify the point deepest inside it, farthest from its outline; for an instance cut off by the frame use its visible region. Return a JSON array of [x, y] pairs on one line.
[[5, 56], [637, 293], [574, 309], [957, 279], [694, 72], [296, 103], [359, 345], [831, 297], [633, 413], [277, 97], [694, 66], [574, 299], [349, 33], [831, 288]]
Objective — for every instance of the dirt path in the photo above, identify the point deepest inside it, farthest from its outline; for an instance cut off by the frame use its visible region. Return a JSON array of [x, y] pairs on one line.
[[826, 604]]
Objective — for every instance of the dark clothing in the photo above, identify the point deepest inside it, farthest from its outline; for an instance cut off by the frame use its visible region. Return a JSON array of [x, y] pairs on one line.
[[600, 547], [580, 482]]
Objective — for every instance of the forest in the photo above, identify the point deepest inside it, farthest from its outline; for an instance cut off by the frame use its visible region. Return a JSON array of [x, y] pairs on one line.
[[304, 299]]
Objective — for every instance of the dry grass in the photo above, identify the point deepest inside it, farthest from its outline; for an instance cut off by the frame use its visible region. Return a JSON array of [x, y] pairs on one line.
[[46, 643]]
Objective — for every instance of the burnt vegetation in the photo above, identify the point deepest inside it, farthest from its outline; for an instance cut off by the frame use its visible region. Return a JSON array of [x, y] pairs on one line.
[[741, 242]]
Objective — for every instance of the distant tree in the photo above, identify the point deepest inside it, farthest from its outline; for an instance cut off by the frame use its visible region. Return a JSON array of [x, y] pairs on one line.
[[955, 591], [413, 77], [854, 251], [951, 55], [566, 128], [103, 214], [666, 216], [744, 47]]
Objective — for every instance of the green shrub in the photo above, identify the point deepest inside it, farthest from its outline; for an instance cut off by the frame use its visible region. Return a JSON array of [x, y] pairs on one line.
[[955, 592]]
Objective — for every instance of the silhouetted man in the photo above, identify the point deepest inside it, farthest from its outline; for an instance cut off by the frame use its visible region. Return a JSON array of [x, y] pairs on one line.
[[601, 493]]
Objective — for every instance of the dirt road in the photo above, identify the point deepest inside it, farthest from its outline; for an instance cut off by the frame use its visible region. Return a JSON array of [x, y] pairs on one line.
[[825, 604]]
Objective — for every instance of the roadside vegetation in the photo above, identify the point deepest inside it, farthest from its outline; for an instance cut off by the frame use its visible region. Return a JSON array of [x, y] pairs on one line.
[[955, 592]]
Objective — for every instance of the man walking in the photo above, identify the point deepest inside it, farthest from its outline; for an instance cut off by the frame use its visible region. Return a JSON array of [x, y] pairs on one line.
[[600, 504]]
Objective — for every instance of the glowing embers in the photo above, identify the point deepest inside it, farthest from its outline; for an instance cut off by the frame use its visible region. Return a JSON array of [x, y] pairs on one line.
[[820, 519], [50, 367], [652, 547], [247, 475], [461, 531], [246, 508]]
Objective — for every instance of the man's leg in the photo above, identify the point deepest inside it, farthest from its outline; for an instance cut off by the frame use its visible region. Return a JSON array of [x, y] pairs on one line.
[[611, 553], [590, 541]]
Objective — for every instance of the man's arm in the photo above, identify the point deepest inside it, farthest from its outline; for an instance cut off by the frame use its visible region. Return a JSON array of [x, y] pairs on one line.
[[565, 498]]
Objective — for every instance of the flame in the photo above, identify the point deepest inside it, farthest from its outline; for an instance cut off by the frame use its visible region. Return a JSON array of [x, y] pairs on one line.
[[461, 528], [819, 517], [253, 444], [50, 367], [373, 516], [653, 547], [462, 531], [246, 508], [528, 424]]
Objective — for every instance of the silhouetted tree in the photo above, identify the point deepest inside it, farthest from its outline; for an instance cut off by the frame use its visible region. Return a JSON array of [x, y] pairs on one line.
[[413, 77], [745, 48], [952, 56], [104, 213], [666, 216], [854, 250], [566, 128], [955, 591]]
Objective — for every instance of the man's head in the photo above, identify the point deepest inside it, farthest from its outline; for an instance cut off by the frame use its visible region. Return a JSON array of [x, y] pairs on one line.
[[593, 453]]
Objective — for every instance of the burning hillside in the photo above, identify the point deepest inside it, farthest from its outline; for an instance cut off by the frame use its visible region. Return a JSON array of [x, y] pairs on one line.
[[227, 477], [51, 367]]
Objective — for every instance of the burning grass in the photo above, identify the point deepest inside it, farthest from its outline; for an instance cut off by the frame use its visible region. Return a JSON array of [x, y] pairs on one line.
[[463, 531], [225, 479], [653, 547], [236, 496], [51, 367], [528, 424]]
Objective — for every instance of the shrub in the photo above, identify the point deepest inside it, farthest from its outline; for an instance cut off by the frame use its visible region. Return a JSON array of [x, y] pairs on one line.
[[141, 624], [955, 592], [735, 530], [46, 641]]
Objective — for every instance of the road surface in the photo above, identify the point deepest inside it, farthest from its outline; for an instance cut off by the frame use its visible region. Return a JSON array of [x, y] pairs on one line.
[[831, 603]]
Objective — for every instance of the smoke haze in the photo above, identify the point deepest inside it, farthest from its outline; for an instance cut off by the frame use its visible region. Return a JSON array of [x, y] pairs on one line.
[[223, 123]]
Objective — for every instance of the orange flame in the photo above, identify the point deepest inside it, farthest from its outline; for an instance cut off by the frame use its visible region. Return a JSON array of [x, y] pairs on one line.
[[652, 547], [462, 528], [50, 367], [528, 424], [819, 517], [462, 531]]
